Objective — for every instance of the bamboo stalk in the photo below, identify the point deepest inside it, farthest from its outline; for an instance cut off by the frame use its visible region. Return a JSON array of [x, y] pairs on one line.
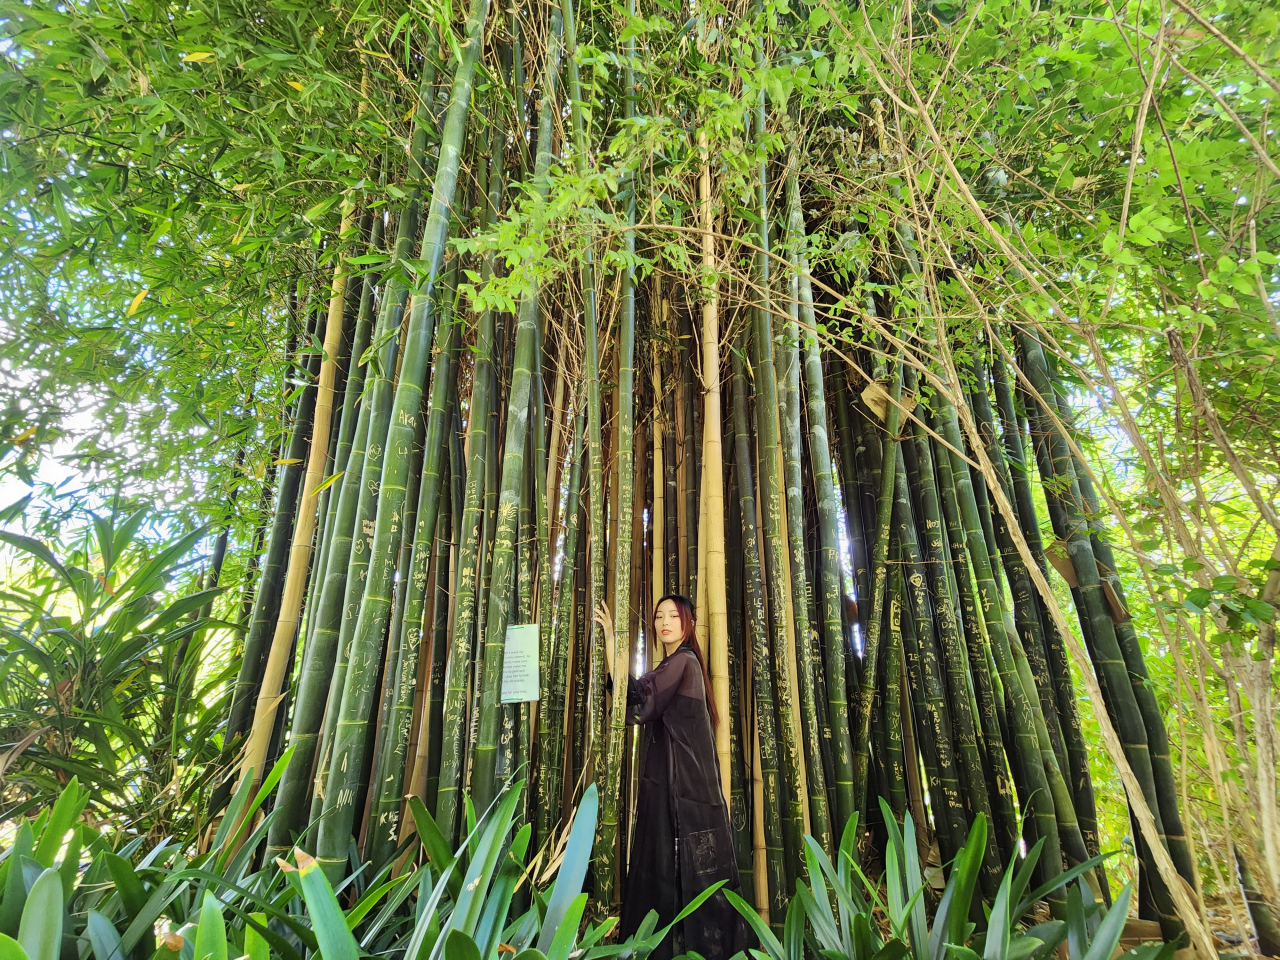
[[949, 815], [552, 707], [300, 551], [624, 420], [919, 463], [818, 822], [770, 803], [879, 579], [1057, 662], [712, 536]]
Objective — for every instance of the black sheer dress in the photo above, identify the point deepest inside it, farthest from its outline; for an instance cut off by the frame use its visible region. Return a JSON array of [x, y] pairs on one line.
[[682, 842]]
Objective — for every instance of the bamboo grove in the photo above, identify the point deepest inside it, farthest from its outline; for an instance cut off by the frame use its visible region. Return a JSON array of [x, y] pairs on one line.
[[750, 303], [504, 458]]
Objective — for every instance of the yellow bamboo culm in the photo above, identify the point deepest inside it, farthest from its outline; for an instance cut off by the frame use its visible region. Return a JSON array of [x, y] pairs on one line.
[[658, 518], [711, 530], [264, 714]]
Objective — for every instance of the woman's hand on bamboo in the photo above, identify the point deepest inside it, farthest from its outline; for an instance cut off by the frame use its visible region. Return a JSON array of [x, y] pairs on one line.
[[605, 619]]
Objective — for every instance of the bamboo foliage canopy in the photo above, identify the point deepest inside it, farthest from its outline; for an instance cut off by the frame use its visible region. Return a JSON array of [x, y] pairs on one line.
[[930, 349]]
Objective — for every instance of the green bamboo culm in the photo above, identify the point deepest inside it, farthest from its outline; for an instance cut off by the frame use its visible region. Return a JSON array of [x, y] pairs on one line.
[[771, 493], [385, 805], [361, 483], [1034, 788], [918, 460], [458, 665], [426, 773], [987, 698], [894, 717], [512, 483], [1097, 621], [349, 740], [606, 847], [1027, 639], [351, 378], [595, 451], [1130, 647], [1058, 662], [935, 717], [761, 663], [551, 710], [789, 377], [498, 612], [828, 519], [291, 800], [879, 582]]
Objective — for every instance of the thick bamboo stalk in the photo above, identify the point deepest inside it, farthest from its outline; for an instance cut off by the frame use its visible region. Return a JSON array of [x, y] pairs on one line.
[[1027, 641], [829, 566], [349, 739], [770, 801], [498, 613], [956, 671], [998, 751], [300, 551], [1035, 789], [771, 505], [818, 823], [893, 716], [376, 411], [879, 578], [320, 651], [712, 536], [935, 716], [1131, 649], [551, 710], [624, 420], [658, 577], [1058, 663], [386, 804], [595, 451]]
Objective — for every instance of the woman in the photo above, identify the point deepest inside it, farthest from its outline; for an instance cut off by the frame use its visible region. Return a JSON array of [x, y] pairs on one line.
[[682, 842]]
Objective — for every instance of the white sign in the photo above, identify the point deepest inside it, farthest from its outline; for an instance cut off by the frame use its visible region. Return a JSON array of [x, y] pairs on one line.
[[520, 664]]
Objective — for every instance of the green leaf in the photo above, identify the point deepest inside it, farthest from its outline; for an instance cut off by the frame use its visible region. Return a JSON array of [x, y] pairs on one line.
[[40, 932], [573, 867], [1107, 937], [15, 888], [565, 932], [35, 548], [330, 926], [459, 946], [255, 945], [103, 937], [132, 895], [10, 949], [211, 934], [434, 843]]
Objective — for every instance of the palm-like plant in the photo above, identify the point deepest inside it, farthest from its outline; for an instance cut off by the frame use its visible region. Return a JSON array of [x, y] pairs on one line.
[[104, 674], [849, 928], [288, 909]]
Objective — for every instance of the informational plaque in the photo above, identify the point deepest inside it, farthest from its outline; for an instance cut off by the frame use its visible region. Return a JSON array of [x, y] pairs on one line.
[[520, 664]]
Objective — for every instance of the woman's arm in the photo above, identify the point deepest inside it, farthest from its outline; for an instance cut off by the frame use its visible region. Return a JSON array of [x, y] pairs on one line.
[[605, 619]]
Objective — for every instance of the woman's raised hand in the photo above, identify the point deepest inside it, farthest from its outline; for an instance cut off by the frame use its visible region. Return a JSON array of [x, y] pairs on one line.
[[605, 619]]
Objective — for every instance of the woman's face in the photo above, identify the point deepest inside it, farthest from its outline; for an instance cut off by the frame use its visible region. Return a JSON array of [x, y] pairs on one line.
[[666, 622]]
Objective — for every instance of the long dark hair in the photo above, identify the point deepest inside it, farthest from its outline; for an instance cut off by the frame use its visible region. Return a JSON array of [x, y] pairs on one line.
[[688, 634]]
